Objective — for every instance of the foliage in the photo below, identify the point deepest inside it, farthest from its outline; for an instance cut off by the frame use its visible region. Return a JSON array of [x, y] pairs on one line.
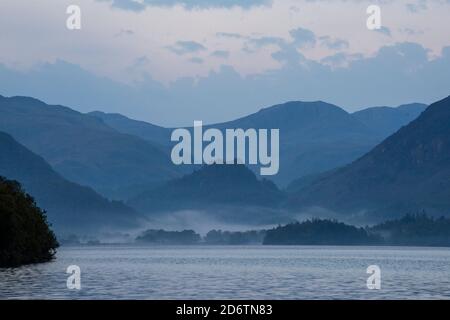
[[415, 230], [319, 232], [25, 236], [169, 237], [234, 238]]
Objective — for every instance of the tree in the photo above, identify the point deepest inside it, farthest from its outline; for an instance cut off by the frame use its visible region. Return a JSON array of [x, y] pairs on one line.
[[25, 235]]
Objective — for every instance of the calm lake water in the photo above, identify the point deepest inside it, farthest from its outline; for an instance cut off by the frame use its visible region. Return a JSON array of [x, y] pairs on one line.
[[224, 272]]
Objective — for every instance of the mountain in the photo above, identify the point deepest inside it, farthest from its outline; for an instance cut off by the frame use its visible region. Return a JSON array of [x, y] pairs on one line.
[[387, 120], [70, 207], [84, 149], [144, 130], [233, 190], [314, 136], [409, 171]]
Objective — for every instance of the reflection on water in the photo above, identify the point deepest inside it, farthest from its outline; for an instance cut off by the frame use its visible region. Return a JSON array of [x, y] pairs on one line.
[[216, 272]]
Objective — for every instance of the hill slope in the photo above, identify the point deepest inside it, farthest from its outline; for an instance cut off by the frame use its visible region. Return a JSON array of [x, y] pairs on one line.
[[231, 193], [211, 184], [70, 207], [84, 149], [314, 136], [147, 131], [386, 120], [408, 171]]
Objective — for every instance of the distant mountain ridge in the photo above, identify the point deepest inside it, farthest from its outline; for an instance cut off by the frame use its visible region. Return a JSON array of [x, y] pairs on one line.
[[314, 136], [70, 207], [409, 171], [144, 130], [84, 149], [211, 184], [231, 194], [128, 159], [387, 120]]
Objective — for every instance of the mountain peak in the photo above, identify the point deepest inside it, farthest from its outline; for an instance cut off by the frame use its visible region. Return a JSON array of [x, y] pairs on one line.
[[70, 206], [302, 106], [83, 148], [211, 184], [410, 170]]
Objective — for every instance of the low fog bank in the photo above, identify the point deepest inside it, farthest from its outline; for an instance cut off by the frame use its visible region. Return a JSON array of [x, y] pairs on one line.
[[197, 228], [224, 218]]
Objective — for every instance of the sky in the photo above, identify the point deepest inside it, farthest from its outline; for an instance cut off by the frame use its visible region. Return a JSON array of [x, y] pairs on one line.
[[175, 61]]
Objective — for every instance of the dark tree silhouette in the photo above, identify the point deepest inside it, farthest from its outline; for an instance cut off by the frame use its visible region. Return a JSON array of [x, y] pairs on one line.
[[319, 232], [169, 237], [417, 229], [25, 235]]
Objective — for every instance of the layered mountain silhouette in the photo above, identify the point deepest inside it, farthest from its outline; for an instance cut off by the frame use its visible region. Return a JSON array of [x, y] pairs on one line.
[[70, 207], [211, 185], [84, 149], [229, 194], [409, 171], [144, 130], [127, 159], [314, 136], [387, 120]]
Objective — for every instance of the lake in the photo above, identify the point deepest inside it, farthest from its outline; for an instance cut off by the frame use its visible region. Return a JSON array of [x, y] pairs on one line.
[[228, 272]]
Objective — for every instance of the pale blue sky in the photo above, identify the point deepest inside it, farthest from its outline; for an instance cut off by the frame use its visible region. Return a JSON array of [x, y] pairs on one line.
[[170, 62]]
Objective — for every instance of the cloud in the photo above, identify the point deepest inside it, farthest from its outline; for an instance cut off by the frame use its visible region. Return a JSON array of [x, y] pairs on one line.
[[288, 54], [303, 37], [265, 41], [221, 54], [417, 7], [340, 59], [384, 30], [229, 35], [410, 31], [132, 5], [139, 5], [300, 38], [196, 60], [124, 32], [333, 44], [183, 47], [396, 74]]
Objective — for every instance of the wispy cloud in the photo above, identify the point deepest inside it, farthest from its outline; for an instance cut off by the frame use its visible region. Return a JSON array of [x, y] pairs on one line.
[[230, 35], [384, 30], [417, 6], [183, 47], [412, 77], [334, 44], [196, 60], [139, 5], [124, 32], [221, 54], [303, 37]]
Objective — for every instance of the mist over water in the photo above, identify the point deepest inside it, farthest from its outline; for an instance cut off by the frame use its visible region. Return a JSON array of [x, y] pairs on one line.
[[225, 218], [242, 272], [203, 221], [244, 218]]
